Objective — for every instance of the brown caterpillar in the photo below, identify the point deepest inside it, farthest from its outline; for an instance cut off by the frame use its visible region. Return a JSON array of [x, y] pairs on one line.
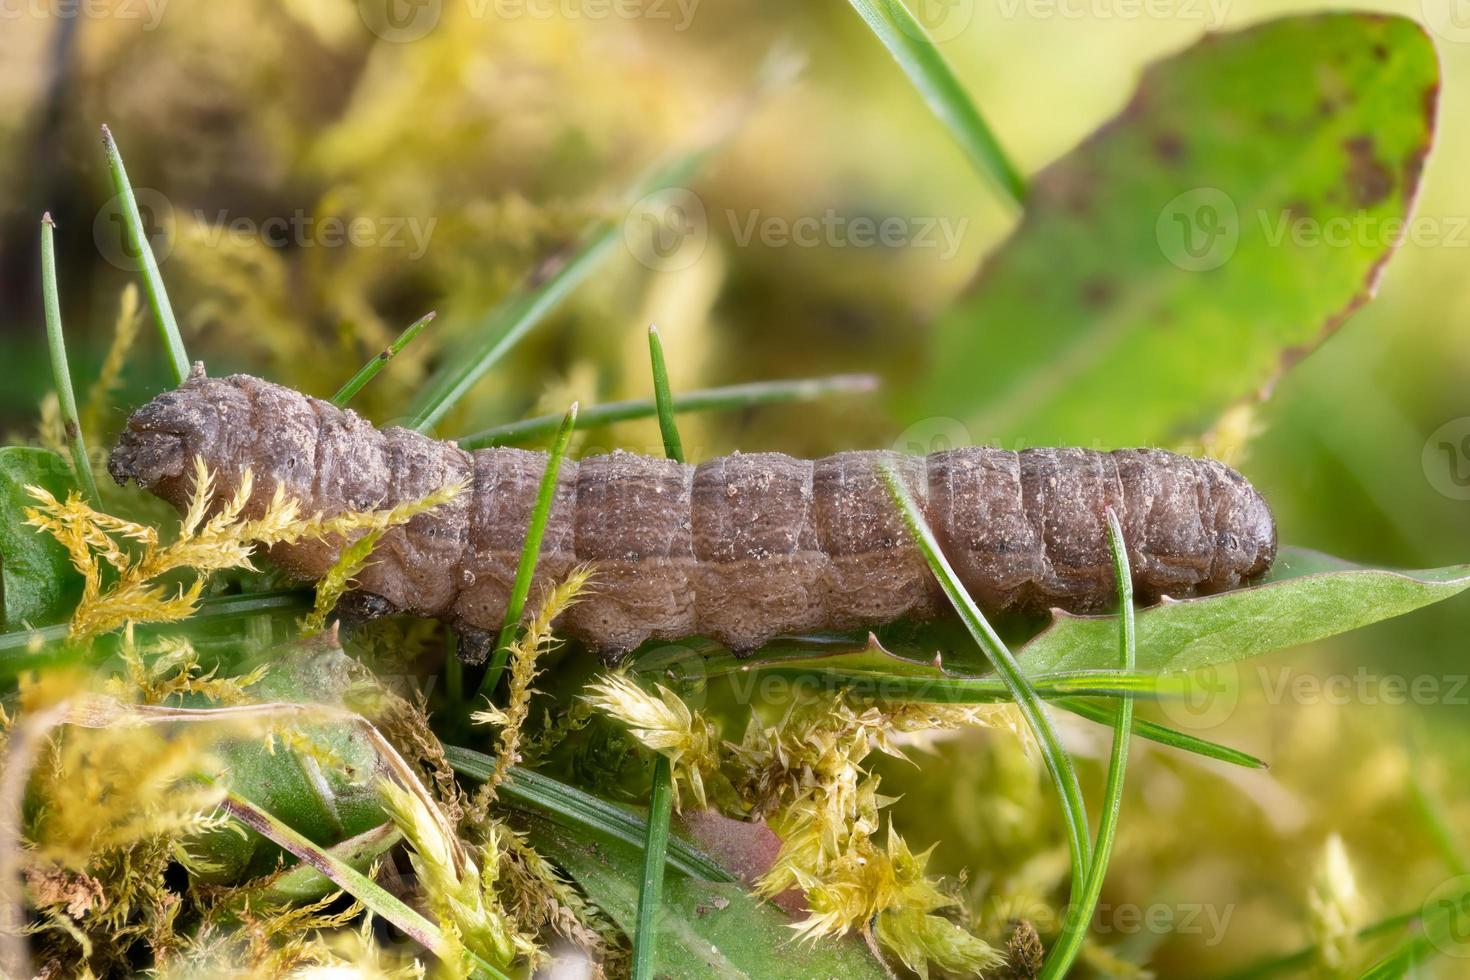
[[738, 549]]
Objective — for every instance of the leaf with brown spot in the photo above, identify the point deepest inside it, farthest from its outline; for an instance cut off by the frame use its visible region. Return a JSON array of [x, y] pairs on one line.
[[1235, 212]]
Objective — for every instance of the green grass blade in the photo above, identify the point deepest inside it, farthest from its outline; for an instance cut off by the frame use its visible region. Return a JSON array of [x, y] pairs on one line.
[[905, 38], [663, 401], [370, 370], [137, 239], [729, 397], [1105, 714], [530, 552], [1058, 763], [355, 883], [60, 371], [660, 806], [507, 324], [581, 812], [655, 853], [1079, 912]]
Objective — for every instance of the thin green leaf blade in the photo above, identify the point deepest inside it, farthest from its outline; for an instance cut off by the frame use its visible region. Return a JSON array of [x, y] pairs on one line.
[[910, 45]]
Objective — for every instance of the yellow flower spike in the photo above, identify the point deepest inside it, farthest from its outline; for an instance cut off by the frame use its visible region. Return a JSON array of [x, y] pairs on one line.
[[664, 724]]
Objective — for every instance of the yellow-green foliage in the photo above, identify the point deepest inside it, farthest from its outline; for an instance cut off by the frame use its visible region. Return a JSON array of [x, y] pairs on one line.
[[136, 558], [805, 774]]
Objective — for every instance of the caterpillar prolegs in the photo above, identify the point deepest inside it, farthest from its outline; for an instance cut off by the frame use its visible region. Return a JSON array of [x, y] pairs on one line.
[[738, 549]]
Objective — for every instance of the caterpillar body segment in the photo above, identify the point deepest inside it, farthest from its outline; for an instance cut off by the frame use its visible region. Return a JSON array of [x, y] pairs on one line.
[[740, 548]]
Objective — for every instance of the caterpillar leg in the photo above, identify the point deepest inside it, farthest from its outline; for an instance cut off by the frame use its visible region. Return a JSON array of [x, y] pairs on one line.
[[358, 608], [475, 644]]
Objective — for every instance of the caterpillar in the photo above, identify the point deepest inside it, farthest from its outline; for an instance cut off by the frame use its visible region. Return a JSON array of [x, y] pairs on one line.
[[738, 549]]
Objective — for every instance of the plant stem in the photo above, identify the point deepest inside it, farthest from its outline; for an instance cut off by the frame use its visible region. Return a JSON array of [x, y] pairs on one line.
[[370, 370], [530, 552], [576, 810], [660, 806], [663, 401], [1058, 763], [61, 373], [908, 42], [1079, 912], [352, 881], [710, 399], [137, 239]]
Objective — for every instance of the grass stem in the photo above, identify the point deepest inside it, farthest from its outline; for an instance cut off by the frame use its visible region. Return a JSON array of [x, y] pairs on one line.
[[60, 371], [729, 397], [530, 552], [370, 370], [136, 239], [1080, 909]]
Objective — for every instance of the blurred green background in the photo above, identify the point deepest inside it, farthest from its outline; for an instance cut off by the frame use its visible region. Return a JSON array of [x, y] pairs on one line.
[[478, 152]]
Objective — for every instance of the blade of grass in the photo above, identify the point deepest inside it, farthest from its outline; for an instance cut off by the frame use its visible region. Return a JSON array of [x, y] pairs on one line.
[[1058, 763], [355, 883], [577, 811], [730, 397], [137, 239], [530, 552], [1079, 913], [507, 324], [1104, 714], [660, 805], [304, 883], [60, 371], [663, 401], [655, 855], [370, 370], [905, 38]]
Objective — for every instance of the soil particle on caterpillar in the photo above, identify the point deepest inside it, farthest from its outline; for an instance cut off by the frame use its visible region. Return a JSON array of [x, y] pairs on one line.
[[739, 549]]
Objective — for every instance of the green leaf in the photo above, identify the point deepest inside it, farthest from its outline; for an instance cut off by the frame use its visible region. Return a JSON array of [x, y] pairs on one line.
[[706, 929], [1308, 596], [1164, 268], [40, 583]]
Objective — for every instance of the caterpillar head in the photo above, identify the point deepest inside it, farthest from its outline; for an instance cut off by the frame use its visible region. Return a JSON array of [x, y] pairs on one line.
[[157, 447]]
